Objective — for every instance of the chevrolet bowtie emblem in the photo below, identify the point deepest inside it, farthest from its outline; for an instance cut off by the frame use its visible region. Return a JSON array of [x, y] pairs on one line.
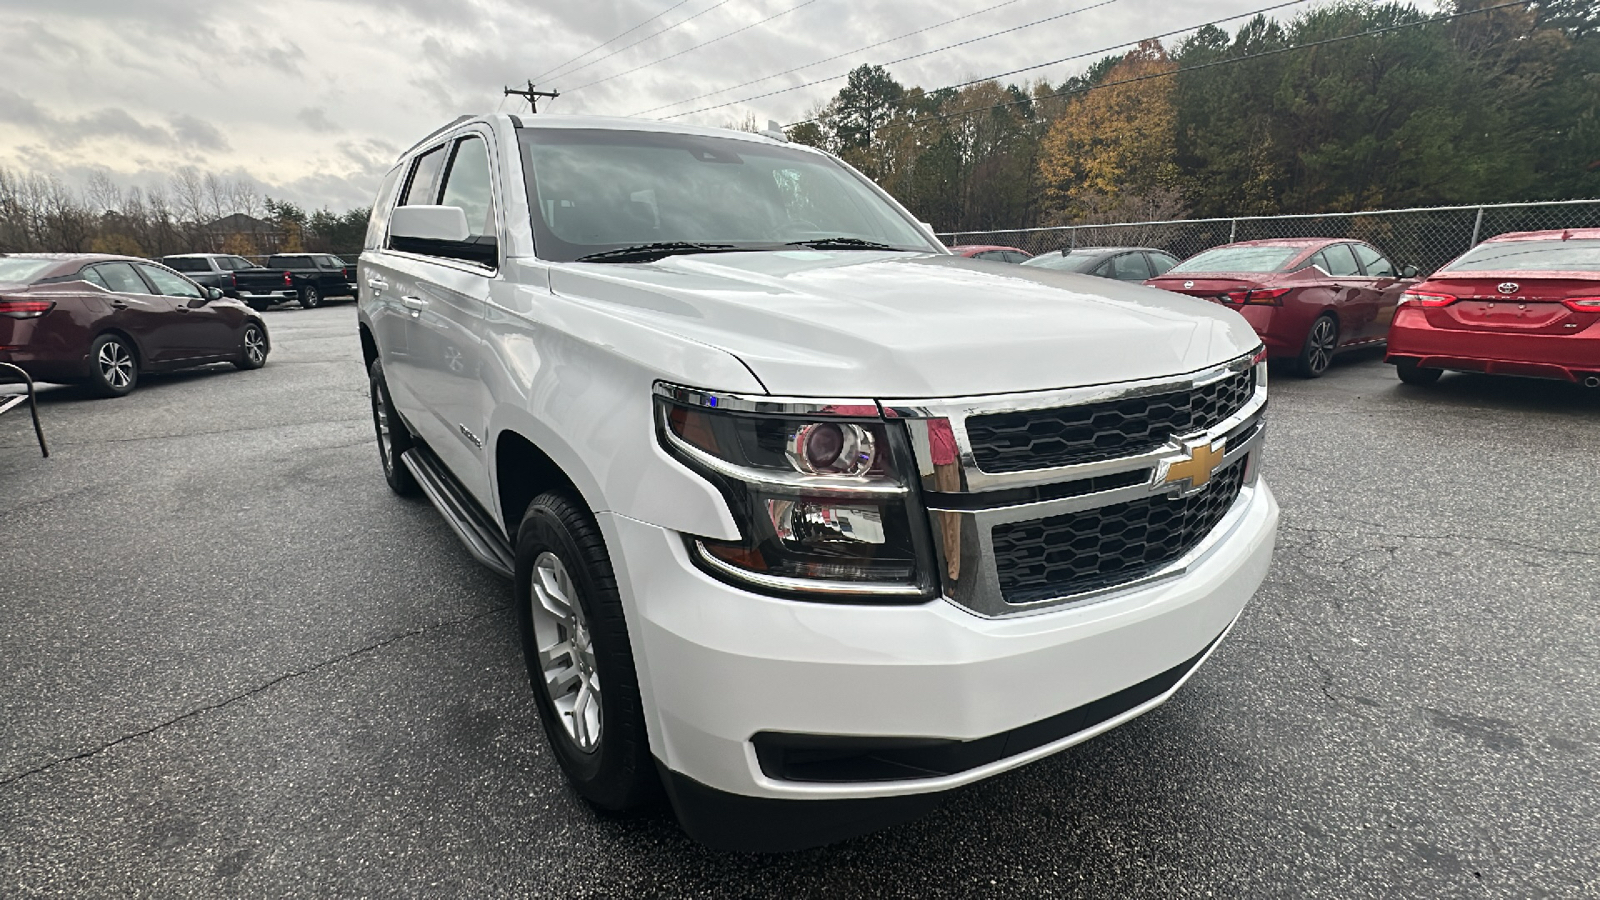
[[1194, 469]]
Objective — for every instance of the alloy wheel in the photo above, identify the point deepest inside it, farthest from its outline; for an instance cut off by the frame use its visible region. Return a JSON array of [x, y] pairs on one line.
[[116, 365], [1322, 340], [565, 651], [380, 418], [255, 345]]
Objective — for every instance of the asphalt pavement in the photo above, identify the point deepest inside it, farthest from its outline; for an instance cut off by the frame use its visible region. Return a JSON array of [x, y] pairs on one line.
[[233, 664]]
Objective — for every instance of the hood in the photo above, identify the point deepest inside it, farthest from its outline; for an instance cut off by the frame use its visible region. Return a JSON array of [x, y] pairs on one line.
[[898, 325]]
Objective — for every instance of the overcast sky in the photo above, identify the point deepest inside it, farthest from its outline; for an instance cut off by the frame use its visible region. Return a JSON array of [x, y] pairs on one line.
[[312, 99]]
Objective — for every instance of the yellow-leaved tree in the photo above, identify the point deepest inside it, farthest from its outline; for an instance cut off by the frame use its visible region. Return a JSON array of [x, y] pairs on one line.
[[1114, 146]]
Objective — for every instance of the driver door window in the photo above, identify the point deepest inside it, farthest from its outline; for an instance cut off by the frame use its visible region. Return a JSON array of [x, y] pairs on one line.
[[1130, 267], [1376, 264], [1341, 262], [171, 285]]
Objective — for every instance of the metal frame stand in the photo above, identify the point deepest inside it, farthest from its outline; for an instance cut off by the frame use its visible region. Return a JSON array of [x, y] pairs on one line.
[[10, 403]]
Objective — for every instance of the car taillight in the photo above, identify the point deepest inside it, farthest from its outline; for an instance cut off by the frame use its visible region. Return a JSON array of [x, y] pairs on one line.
[[288, 280], [25, 309], [1583, 304], [1418, 298], [1261, 296], [345, 274], [233, 281]]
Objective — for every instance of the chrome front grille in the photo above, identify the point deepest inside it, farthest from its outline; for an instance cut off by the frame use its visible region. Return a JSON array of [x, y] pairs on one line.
[[1043, 500], [1107, 545], [1091, 432]]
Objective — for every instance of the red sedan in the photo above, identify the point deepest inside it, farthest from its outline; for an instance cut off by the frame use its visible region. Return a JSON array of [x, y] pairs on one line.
[[103, 320], [1308, 298], [992, 252], [1526, 303]]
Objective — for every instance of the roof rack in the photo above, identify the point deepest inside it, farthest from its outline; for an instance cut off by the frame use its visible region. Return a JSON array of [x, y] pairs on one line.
[[433, 134]]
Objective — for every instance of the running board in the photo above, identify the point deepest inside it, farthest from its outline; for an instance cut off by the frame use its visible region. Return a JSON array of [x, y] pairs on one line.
[[475, 529]]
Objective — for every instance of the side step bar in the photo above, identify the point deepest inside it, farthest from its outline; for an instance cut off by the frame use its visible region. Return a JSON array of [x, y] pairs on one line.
[[475, 529]]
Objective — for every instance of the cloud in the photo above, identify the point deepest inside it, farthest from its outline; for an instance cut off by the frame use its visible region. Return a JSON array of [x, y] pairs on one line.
[[316, 119], [197, 133]]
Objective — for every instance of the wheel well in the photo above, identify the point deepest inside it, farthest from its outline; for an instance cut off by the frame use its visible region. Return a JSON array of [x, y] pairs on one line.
[[369, 347], [138, 351], [523, 472]]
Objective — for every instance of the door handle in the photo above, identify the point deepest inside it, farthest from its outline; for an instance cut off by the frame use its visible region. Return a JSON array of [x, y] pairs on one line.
[[118, 304], [376, 283], [414, 303]]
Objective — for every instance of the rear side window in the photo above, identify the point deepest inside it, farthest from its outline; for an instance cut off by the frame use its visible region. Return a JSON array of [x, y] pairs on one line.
[[380, 209], [93, 277], [170, 284], [468, 186], [121, 278], [188, 265], [420, 192], [1130, 267], [1341, 262], [1376, 264]]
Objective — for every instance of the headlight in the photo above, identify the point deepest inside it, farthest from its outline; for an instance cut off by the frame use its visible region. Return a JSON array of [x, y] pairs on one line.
[[820, 493]]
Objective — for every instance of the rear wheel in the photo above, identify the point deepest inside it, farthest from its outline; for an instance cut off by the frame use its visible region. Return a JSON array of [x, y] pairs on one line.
[[253, 354], [393, 437], [580, 663], [116, 366], [310, 298], [1321, 341], [1411, 373]]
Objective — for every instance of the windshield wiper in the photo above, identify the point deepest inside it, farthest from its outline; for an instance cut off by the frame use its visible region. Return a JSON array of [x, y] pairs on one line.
[[841, 243], [653, 252]]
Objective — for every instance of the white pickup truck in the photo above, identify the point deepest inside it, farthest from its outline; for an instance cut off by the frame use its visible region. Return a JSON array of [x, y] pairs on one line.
[[808, 519]]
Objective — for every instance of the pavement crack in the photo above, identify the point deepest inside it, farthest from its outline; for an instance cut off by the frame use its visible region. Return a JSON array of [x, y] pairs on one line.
[[245, 695]]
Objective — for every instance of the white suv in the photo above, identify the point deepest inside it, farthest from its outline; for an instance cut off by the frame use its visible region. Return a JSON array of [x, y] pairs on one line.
[[808, 519]]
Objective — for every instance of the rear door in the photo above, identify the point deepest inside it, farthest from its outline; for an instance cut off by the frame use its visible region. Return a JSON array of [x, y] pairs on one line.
[[199, 330], [1386, 281], [1352, 294], [137, 310]]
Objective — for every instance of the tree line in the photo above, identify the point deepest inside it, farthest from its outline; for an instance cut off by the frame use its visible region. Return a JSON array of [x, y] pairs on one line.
[[1495, 106], [182, 215]]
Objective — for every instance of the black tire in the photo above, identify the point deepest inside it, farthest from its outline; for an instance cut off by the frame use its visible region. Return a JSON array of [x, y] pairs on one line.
[[1411, 373], [254, 349], [1322, 339], [114, 366], [394, 439], [616, 772], [310, 297]]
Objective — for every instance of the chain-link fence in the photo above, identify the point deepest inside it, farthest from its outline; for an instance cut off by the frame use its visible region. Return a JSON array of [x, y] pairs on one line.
[[1426, 238]]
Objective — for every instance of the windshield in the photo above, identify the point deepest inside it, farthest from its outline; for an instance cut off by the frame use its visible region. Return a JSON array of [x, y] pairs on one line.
[[1538, 256], [1239, 259], [595, 190], [1072, 262], [23, 270]]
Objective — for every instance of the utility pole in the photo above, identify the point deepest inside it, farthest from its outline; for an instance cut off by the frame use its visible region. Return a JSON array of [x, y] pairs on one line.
[[532, 95]]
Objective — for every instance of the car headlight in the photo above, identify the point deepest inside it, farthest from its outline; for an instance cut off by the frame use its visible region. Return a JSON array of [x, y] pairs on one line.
[[822, 495]]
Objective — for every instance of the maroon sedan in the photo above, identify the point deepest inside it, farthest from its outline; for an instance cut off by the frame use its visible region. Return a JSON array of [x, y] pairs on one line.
[[1308, 298], [992, 252], [103, 320]]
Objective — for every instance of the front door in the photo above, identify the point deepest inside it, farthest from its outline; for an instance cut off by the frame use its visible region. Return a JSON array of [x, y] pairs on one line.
[[199, 330]]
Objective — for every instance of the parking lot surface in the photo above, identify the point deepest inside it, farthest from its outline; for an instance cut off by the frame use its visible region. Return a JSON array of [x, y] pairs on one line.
[[233, 664]]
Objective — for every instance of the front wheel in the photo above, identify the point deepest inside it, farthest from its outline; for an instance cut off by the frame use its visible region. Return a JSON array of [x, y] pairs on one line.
[[1411, 373], [310, 298], [1321, 341], [253, 353], [116, 366], [580, 663]]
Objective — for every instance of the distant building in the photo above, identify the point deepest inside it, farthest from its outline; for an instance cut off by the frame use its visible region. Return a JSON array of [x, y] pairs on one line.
[[243, 234]]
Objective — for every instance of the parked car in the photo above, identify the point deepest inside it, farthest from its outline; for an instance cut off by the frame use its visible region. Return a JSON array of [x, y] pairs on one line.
[[105, 320], [258, 286], [315, 276], [1121, 263], [992, 252], [806, 517], [1308, 298], [1526, 303]]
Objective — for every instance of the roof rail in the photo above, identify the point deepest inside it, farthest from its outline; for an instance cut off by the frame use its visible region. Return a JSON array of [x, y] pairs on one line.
[[433, 134]]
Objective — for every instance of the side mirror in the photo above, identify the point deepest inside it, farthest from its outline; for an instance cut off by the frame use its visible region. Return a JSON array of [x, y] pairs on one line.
[[1408, 271], [214, 293], [429, 223]]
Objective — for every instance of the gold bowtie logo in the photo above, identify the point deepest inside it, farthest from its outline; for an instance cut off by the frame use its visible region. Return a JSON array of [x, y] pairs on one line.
[[1197, 466]]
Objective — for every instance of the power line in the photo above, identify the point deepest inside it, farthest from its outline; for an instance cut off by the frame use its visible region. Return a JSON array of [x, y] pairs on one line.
[[663, 59], [1213, 63], [647, 37], [828, 60], [902, 59], [569, 62]]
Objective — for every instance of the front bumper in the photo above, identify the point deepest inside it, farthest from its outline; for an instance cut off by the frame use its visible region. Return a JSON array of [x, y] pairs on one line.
[[718, 665]]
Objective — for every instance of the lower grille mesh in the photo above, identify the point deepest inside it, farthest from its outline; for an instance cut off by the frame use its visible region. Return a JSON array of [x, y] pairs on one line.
[[1109, 545]]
